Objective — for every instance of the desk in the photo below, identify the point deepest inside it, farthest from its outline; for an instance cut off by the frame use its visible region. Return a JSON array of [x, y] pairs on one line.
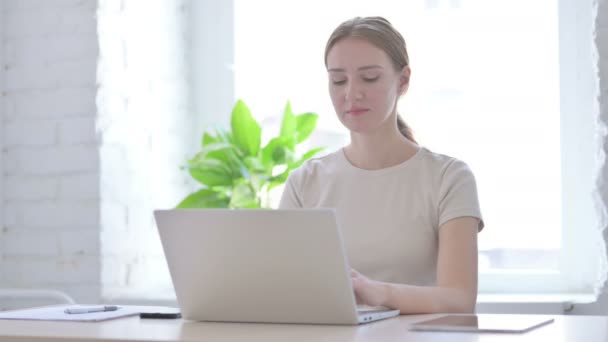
[[565, 328]]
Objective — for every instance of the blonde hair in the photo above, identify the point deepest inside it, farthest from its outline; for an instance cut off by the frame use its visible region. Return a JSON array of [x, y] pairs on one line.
[[380, 33]]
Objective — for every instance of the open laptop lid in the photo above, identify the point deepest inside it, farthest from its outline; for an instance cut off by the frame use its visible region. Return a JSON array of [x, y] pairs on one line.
[[281, 266]]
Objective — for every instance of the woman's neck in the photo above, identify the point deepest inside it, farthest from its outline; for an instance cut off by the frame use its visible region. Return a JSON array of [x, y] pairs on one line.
[[379, 150]]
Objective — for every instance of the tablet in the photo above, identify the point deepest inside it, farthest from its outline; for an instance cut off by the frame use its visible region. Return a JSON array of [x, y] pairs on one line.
[[496, 323]]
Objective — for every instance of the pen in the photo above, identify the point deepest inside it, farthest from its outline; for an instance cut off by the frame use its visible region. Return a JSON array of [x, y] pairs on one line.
[[91, 309]]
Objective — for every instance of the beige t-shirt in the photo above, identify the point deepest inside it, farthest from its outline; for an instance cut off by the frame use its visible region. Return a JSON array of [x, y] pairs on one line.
[[389, 218]]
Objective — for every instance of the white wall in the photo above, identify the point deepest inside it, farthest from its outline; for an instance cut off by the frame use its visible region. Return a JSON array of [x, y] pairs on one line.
[[1, 128], [212, 77], [50, 236], [147, 130], [600, 38]]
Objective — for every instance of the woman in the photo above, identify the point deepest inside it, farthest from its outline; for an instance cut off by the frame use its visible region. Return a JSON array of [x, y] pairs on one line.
[[409, 217]]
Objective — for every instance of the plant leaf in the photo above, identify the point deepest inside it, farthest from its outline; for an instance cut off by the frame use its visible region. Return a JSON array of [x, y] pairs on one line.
[[247, 133], [306, 123], [217, 151], [243, 196], [290, 142], [254, 164], [279, 150], [224, 136], [225, 151], [211, 172], [282, 155], [289, 123], [279, 179], [208, 139], [214, 150], [258, 180], [305, 157], [267, 151], [239, 168], [282, 177], [204, 198]]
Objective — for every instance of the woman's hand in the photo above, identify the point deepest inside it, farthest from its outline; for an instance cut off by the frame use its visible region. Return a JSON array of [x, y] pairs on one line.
[[367, 291]]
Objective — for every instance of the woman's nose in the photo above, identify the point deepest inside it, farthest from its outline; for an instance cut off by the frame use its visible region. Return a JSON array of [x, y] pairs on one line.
[[353, 91]]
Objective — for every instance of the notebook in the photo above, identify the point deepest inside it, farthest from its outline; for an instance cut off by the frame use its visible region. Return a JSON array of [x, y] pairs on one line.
[[58, 313]]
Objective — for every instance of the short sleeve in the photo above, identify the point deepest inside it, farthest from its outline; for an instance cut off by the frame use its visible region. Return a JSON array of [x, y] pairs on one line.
[[458, 194], [290, 198]]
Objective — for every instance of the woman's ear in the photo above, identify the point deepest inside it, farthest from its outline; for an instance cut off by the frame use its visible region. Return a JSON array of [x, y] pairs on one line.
[[404, 79]]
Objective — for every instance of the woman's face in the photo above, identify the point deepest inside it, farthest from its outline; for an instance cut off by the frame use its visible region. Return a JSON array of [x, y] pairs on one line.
[[363, 85]]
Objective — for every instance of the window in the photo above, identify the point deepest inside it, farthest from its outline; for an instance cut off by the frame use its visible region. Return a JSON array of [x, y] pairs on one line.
[[494, 83], [480, 91]]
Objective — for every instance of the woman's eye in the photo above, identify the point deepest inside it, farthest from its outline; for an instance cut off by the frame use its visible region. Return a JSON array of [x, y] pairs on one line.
[[338, 82], [371, 79]]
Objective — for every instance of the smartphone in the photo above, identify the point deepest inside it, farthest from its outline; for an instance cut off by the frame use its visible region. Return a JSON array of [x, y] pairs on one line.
[[161, 315]]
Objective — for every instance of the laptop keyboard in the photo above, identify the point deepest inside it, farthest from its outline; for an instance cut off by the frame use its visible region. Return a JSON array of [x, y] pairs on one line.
[[371, 309]]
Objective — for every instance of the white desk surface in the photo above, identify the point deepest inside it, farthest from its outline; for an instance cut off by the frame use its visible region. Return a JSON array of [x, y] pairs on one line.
[[565, 328]]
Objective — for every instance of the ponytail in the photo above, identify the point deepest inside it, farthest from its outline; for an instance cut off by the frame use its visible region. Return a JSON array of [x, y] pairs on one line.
[[405, 129]]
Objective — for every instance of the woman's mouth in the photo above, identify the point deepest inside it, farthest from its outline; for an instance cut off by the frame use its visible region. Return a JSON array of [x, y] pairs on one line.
[[357, 111]]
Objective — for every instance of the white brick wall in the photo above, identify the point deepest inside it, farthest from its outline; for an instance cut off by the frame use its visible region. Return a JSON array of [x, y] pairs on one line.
[[146, 126], [50, 231], [51, 103], [601, 41]]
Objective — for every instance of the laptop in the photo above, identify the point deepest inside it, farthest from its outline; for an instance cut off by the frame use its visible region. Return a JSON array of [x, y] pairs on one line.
[[260, 265]]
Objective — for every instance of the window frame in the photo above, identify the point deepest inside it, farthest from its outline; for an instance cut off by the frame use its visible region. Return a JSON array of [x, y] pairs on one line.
[[579, 264]]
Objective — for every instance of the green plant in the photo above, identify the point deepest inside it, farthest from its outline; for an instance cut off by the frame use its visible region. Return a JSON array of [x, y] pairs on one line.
[[236, 171]]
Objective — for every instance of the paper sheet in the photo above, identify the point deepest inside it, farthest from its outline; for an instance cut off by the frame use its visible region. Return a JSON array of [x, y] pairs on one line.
[[57, 313]]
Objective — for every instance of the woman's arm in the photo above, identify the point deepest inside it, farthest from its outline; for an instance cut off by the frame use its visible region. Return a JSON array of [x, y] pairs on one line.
[[290, 198], [456, 289]]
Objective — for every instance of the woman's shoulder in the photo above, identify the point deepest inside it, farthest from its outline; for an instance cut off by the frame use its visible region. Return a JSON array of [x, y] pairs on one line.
[[319, 166], [441, 163]]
